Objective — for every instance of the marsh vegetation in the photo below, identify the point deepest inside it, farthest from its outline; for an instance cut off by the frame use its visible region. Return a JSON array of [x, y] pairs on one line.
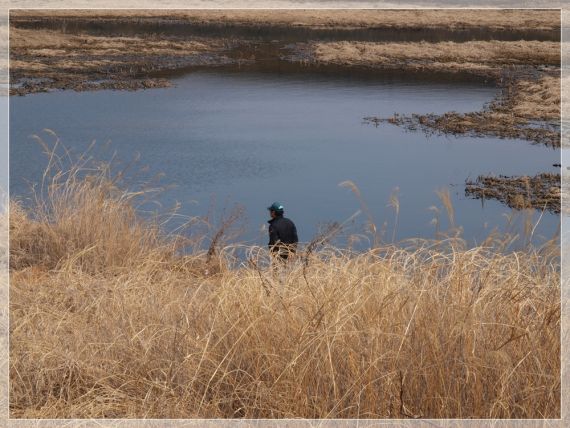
[[110, 318]]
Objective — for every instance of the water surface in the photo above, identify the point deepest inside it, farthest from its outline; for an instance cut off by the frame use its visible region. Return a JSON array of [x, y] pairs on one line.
[[253, 138]]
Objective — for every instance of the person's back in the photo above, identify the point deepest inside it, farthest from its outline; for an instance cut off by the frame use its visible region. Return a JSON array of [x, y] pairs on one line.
[[282, 232]]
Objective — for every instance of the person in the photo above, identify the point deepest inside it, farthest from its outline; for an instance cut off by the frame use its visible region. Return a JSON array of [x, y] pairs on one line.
[[282, 233]]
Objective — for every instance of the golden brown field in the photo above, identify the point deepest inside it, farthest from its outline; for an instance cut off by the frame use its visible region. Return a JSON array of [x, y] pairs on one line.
[[108, 319]]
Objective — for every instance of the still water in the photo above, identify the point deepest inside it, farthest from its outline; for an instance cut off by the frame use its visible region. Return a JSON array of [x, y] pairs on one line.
[[252, 137]]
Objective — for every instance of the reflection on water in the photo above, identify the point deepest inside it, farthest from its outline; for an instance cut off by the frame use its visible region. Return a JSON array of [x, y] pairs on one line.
[[254, 137]]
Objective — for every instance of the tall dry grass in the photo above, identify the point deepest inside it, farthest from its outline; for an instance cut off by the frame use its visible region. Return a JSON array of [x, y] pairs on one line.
[[108, 319]]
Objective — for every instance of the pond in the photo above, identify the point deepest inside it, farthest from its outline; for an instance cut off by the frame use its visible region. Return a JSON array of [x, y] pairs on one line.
[[253, 137]]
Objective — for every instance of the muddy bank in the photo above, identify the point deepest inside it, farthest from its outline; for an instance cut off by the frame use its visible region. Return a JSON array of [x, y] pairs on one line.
[[541, 191], [47, 60], [476, 124], [42, 60]]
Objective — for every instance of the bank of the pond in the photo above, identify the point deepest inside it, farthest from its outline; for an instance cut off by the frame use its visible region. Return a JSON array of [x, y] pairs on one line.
[[117, 49]]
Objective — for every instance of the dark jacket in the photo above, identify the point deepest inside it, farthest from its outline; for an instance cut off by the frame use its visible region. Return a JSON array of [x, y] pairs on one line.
[[282, 231]]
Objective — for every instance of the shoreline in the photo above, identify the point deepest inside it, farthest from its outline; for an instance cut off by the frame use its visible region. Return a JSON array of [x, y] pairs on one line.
[[74, 48]]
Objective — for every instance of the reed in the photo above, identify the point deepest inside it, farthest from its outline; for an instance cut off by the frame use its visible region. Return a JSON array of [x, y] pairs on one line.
[[109, 319]]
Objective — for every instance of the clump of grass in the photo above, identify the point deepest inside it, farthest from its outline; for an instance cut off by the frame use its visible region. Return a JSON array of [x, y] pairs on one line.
[[79, 216], [475, 124], [108, 320], [520, 192]]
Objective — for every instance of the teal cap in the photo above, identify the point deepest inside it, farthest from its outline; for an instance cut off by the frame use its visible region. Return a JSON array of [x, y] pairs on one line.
[[276, 206]]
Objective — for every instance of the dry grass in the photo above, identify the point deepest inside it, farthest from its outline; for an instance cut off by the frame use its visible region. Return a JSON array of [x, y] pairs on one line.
[[85, 62], [489, 122], [541, 191], [565, 106], [106, 320], [480, 57], [48, 43], [397, 19], [537, 99], [83, 52], [74, 61], [509, 115]]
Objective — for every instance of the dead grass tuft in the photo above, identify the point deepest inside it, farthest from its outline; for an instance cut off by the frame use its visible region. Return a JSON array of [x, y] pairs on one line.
[[541, 191], [106, 320]]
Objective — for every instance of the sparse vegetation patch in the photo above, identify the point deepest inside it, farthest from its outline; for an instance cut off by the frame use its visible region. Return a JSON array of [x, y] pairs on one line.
[[541, 191]]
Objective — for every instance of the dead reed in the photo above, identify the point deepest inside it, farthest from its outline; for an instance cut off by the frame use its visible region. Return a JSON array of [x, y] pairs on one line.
[[108, 319]]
